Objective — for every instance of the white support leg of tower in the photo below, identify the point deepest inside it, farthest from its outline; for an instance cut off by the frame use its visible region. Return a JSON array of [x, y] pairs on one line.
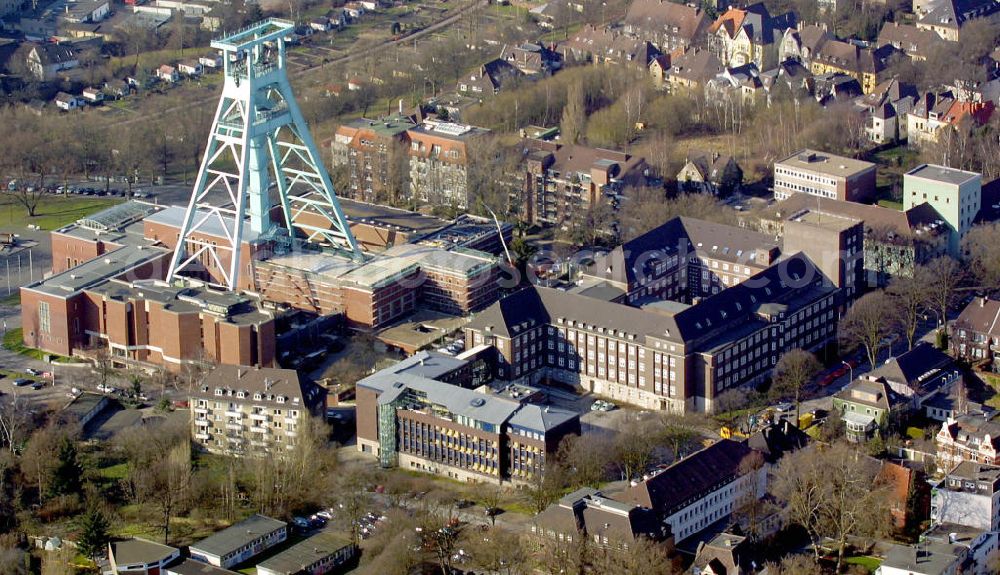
[[258, 139]]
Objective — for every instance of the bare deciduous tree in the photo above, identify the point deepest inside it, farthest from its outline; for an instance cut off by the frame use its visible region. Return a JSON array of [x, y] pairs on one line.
[[869, 323], [911, 294], [831, 492], [794, 370], [945, 275]]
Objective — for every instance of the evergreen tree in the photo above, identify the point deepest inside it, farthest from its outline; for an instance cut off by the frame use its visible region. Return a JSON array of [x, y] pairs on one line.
[[94, 536], [68, 472]]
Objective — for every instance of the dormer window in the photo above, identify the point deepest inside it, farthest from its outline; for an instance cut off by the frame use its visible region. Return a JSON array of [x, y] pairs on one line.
[[257, 397], [218, 392], [281, 399]]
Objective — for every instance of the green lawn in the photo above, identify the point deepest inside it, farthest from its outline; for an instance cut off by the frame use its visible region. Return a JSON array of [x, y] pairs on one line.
[[13, 340], [868, 562], [115, 471], [12, 300], [52, 211]]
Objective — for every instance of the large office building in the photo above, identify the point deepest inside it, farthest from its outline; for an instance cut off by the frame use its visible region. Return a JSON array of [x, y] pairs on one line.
[[825, 175], [439, 414], [894, 241], [675, 357], [679, 315], [238, 410], [955, 194], [685, 259]]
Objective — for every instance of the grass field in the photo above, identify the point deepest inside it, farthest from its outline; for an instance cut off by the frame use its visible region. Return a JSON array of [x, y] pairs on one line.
[[869, 563], [13, 341], [52, 211]]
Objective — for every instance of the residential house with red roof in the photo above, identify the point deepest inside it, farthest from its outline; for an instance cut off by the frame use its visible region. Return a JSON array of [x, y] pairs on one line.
[[935, 112], [744, 35]]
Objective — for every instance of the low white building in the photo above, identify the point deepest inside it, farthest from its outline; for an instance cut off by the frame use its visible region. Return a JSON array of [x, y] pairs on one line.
[[190, 68], [322, 553], [68, 102], [138, 556], [240, 542]]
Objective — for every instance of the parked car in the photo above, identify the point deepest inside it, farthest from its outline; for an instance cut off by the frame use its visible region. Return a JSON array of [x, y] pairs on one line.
[[105, 388], [783, 407], [33, 371], [21, 382], [37, 385]]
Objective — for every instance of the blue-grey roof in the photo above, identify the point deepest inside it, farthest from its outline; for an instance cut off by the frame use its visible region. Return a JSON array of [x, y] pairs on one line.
[[540, 417], [458, 400], [427, 364]]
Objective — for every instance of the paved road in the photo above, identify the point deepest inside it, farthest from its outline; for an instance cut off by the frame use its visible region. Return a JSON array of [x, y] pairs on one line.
[[448, 20]]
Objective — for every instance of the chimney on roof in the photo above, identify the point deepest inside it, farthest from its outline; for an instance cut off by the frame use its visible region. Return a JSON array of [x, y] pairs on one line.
[[982, 301]]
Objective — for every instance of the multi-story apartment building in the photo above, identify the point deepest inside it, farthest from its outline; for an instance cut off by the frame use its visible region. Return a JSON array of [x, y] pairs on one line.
[[679, 358], [667, 25], [894, 241], [375, 154], [955, 194], [240, 542], [560, 183], [976, 333], [824, 175], [683, 260], [440, 158], [969, 495], [396, 158], [240, 410], [701, 489], [421, 414], [967, 438]]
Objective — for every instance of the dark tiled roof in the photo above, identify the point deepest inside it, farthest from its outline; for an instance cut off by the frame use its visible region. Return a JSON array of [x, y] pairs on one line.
[[955, 13], [271, 383], [980, 316], [690, 478], [774, 441], [662, 16], [695, 65], [622, 264], [791, 283], [910, 366], [911, 40]]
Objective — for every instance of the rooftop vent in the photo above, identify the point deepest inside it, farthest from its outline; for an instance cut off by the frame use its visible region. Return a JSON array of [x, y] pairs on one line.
[[477, 402]]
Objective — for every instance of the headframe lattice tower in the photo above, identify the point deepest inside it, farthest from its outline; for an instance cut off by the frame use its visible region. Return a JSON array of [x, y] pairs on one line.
[[258, 137]]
